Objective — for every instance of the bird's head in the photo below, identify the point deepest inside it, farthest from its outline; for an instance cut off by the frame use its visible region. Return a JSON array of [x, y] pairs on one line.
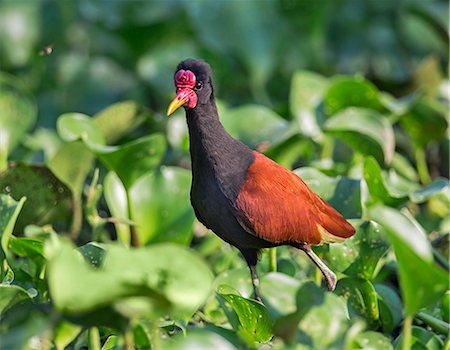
[[193, 84]]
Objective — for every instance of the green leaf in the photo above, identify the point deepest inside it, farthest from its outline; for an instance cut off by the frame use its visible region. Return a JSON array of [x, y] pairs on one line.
[[119, 119], [65, 333], [361, 299], [390, 307], [307, 90], [425, 121], [134, 159], [198, 339], [365, 130], [279, 293], [161, 277], [253, 318], [160, 205], [240, 122], [346, 92], [421, 340], [378, 186], [93, 252], [421, 281], [72, 173], [341, 193], [18, 114], [360, 254], [9, 211], [48, 198], [319, 322], [237, 279], [372, 341], [10, 295], [77, 126]]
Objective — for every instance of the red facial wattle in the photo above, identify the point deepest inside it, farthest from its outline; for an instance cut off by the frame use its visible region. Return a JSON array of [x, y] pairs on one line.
[[185, 82]]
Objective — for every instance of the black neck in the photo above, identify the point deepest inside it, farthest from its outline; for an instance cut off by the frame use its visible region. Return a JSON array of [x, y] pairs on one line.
[[214, 152]]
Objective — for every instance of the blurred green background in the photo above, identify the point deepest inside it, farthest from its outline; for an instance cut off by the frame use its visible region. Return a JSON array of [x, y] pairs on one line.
[[108, 51]]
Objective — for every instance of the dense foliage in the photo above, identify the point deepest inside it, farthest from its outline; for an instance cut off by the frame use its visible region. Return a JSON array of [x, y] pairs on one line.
[[356, 103]]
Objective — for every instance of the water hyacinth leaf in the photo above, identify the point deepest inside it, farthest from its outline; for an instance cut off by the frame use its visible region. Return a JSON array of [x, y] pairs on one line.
[[421, 340], [71, 173], [77, 126], [253, 318], [372, 341], [139, 156], [365, 130], [341, 193], [361, 299], [11, 295], [199, 339], [425, 121], [325, 320], [359, 255], [65, 333], [321, 318], [279, 293], [418, 274], [307, 90], [119, 119], [162, 277], [390, 307], [255, 125], [19, 113], [161, 206], [9, 211], [378, 188], [48, 199], [346, 92]]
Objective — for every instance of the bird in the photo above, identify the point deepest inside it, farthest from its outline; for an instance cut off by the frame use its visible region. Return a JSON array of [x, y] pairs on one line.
[[245, 198]]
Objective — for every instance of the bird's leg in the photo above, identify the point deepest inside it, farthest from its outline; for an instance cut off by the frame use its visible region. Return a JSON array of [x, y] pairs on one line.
[[251, 257], [330, 277]]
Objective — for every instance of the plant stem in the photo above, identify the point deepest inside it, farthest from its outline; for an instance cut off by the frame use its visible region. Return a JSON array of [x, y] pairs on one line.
[[435, 323], [421, 164], [77, 217], [134, 239], [327, 148], [407, 332], [447, 344], [273, 259], [94, 339], [129, 339]]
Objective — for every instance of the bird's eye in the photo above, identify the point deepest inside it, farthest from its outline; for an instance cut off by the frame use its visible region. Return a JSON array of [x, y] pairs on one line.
[[199, 85]]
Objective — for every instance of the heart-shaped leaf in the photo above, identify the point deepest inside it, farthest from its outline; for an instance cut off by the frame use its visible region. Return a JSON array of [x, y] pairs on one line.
[[359, 255], [77, 126], [255, 324], [346, 92], [119, 119], [365, 130], [163, 276], [48, 198], [18, 115], [240, 122], [421, 281], [361, 299], [134, 159], [10, 295], [421, 340]]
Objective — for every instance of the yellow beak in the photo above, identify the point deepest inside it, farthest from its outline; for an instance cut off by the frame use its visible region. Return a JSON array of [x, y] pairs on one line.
[[175, 104]]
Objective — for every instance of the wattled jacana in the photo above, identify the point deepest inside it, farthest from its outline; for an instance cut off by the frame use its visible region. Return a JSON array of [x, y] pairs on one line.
[[247, 199]]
